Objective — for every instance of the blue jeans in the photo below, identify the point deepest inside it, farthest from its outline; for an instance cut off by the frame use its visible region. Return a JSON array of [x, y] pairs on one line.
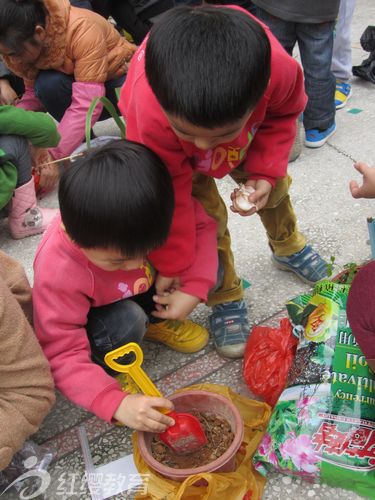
[[114, 325], [315, 42], [54, 90]]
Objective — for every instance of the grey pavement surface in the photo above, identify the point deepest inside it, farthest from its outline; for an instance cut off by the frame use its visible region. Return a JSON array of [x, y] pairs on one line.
[[333, 222]]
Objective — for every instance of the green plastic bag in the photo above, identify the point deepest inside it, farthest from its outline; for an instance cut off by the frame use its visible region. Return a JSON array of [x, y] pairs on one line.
[[323, 426]]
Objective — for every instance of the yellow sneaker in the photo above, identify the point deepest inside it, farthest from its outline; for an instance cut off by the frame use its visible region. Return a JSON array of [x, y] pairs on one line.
[[181, 336]]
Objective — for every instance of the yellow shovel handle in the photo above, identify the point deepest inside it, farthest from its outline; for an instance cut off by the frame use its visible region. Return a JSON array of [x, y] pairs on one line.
[[134, 369]]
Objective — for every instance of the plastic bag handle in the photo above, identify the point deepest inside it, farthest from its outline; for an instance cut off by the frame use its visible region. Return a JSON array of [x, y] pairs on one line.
[[111, 110]]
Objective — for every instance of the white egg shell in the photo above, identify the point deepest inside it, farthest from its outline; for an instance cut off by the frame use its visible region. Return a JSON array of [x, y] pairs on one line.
[[241, 201]]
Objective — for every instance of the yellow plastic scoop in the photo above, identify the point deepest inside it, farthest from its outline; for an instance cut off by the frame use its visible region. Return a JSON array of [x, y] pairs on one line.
[[187, 434]]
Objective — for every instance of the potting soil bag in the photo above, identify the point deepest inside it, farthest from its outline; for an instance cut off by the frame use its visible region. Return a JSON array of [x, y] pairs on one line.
[[323, 426], [245, 480]]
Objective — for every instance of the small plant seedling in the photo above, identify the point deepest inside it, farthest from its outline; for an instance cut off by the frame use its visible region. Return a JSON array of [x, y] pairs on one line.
[[348, 271]]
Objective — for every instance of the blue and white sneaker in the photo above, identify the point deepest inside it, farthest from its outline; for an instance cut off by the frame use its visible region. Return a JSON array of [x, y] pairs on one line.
[[230, 328], [316, 138], [307, 264], [342, 94]]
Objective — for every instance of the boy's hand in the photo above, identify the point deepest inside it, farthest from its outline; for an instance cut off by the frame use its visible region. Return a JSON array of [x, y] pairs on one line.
[[138, 412], [367, 190], [165, 285], [259, 197], [175, 305]]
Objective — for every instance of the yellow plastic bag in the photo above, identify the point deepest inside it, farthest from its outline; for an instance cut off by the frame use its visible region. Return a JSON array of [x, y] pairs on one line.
[[233, 485]]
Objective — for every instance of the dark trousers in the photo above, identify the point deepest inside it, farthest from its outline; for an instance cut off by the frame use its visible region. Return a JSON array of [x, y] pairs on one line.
[[54, 90], [114, 325], [315, 42]]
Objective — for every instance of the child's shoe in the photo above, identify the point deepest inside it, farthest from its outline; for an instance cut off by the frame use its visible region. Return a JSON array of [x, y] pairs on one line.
[[181, 336], [316, 138], [307, 264], [230, 328], [25, 218], [342, 94]]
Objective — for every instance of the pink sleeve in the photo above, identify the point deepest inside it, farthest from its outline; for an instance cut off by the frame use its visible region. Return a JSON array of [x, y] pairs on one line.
[[29, 100], [72, 125], [201, 276], [60, 316]]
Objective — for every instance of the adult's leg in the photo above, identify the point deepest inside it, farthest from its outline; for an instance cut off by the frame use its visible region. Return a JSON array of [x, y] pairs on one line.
[[125, 16], [102, 7], [315, 43], [284, 31], [342, 50], [82, 4]]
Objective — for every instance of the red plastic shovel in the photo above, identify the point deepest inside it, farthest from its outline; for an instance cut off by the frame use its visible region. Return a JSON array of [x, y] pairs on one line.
[[187, 434]]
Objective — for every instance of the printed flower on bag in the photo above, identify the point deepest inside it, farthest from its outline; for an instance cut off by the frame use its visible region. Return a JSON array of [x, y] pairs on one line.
[[304, 412], [266, 450], [299, 449], [265, 445]]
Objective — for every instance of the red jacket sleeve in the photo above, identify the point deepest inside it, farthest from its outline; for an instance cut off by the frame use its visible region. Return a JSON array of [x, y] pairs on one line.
[[201, 276], [269, 152], [146, 124]]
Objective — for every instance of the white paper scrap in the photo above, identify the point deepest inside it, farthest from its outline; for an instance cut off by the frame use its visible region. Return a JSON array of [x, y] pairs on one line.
[[117, 476]]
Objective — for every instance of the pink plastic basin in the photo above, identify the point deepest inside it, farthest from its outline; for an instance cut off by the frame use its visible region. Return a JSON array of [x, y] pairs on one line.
[[206, 402]]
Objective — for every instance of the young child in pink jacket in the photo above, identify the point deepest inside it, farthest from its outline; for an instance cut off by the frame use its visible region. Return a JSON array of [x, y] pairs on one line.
[[95, 288]]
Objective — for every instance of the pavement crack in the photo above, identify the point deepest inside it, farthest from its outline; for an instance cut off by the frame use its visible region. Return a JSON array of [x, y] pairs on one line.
[[340, 151]]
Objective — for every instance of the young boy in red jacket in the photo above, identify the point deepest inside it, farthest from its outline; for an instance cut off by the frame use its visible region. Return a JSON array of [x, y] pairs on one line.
[[213, 93]]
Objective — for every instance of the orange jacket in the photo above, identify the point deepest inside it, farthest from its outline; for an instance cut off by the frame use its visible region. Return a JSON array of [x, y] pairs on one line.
[[80, 43]]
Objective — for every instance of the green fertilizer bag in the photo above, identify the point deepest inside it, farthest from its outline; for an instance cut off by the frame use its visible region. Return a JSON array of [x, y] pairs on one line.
[[323, 425]]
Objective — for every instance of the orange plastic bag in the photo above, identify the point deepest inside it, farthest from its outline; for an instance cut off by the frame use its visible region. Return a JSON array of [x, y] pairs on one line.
[[234, 485], [268, 356]]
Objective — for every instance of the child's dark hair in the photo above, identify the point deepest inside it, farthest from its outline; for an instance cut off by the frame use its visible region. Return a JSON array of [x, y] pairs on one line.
[[18, 20], [208, 65], [119, 196]]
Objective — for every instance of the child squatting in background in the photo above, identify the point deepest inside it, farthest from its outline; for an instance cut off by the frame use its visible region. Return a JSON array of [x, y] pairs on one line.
[[17, 190], [361, 300], [67, 57], [26, 387], [213, 93], [116, 208]]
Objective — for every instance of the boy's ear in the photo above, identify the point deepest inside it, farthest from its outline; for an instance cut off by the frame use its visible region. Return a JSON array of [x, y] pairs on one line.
[[40, 33]]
